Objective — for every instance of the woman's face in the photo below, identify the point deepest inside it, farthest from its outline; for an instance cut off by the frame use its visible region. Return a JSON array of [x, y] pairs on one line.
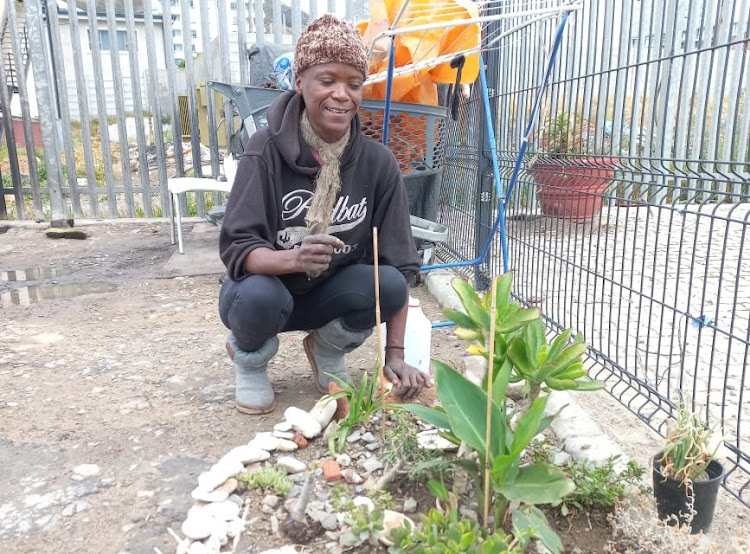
[[332, 93]]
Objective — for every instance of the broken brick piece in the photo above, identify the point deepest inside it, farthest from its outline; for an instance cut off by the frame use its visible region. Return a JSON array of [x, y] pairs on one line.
[[331, 470]]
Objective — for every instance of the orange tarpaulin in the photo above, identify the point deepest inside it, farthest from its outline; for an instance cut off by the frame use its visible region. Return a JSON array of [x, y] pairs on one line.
[[419, 86]]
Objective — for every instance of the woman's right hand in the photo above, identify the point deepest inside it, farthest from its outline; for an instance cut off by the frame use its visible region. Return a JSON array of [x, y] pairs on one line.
[[315, 252]]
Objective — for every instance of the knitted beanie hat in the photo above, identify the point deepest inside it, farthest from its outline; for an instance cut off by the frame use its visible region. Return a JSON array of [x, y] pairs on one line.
[[329, 39]]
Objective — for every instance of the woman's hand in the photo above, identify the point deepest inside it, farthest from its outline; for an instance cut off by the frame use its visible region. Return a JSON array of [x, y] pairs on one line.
[[411, 380], [315, 253]]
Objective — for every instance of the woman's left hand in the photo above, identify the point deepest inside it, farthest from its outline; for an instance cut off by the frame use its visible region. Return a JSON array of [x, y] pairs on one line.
[[411, 380]]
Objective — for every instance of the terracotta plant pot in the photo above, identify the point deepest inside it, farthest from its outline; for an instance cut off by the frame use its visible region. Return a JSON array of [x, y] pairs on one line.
[[673, 499], [572, 189]]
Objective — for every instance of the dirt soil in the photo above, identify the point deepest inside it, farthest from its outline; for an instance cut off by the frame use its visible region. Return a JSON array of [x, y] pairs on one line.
[[116, 391], [134, 380]]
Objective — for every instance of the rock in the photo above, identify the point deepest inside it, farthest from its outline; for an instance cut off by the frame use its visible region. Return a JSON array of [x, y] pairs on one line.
[[219, 530], [368, 437], [291, 465], [198, 548], [265, 441], [286, 446], [245, 454], [300, 440], [284, 427], [197, 526], [323, 411], [86, 470], [393, 520], [271, 500], [474, 369], [219, 473], [329, 522], [468, 513], [351, 476], [203, 495], [364, 501], [57, 233], [431, 440], [287, 549], [331, 470], [410, 505], [230, 485], [354, 436], [225, 511], [561, 458], [344, 460], [301, 421], [274, 522], [372, 446], [286, 435], [371, 464]]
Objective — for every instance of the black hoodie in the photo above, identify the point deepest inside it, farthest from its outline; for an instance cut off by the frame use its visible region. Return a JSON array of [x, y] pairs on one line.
[[273, 188]]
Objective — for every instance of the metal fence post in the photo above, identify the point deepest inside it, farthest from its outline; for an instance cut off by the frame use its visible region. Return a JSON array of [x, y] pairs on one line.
[[485, 199], [46, 101]]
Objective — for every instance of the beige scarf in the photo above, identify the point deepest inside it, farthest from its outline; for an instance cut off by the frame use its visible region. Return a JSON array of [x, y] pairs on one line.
[[328, 183]]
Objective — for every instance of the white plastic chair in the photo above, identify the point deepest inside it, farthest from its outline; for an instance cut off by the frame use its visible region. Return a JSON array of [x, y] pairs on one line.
[[181, 185]]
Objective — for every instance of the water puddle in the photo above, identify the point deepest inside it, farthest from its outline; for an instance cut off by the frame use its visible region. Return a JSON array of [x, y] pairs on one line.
[[31, 274], [32, 294]]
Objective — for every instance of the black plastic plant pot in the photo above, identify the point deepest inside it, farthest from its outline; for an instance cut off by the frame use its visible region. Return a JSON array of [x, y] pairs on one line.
[[672, 497]]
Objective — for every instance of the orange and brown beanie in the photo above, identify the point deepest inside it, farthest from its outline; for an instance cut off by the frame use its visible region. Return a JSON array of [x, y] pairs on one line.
[[329, 39]]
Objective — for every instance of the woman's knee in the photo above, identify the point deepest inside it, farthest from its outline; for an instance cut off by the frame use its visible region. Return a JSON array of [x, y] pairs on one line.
[[259, 304]]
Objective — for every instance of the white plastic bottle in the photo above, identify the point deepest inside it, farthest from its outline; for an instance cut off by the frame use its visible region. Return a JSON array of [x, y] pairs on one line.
[[417, 337]]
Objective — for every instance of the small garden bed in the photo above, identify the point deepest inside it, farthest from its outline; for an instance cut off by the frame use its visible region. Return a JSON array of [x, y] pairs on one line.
[[469, 471]]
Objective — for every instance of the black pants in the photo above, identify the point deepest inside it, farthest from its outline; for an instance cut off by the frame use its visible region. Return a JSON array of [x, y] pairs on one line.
[[260, 306]]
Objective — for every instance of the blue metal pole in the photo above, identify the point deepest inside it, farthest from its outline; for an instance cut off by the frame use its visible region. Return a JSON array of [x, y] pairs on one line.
[[389, 90], [492, 145], [537, 105]]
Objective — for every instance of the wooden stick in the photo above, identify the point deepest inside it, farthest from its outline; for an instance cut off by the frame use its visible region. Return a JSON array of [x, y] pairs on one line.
[[490, 371], [381, 365]]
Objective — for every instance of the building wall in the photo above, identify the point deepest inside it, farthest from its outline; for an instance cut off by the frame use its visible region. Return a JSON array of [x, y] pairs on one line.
[[126, 81]]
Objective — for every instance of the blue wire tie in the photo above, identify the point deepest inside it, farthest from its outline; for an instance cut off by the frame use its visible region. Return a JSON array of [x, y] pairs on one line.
[[702, 321]]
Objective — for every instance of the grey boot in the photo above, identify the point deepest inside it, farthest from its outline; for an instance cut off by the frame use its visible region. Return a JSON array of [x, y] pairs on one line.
[[325, 349], [253, 391]]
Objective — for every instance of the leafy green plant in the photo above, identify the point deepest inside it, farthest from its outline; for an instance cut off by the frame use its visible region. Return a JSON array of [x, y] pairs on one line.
[[521, 354], [600, 485], [448, 534], [382, 499], [568, 135], [269, 479], [520, 342], [689, 447], [360, 525], [401, 444], [363, 400], [516, 487]]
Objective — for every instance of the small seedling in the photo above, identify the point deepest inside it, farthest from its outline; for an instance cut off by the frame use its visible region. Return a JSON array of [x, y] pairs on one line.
[[599, 485], [363, 400], [445, 532], [268, 479]]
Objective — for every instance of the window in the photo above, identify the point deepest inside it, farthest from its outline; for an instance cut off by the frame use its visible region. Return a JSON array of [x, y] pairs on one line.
[[104, 42], [194, 34], [176, 33]]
